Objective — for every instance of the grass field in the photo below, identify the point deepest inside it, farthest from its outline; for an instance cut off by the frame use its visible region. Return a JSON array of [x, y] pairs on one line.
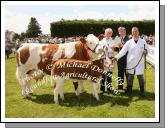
[[41, 105]]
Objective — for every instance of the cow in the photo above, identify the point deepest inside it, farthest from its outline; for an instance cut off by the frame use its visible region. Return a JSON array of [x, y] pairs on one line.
[[78, 70], [31, 58]]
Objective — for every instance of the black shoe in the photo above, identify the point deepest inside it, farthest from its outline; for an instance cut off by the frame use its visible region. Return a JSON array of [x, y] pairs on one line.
[[102, 88], [110, 91], [102, 92], [143, 94], [128, 94], [126, 91], [119, 88]]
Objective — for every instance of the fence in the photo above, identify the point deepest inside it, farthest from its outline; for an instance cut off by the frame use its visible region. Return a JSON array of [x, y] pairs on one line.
[[151, 55]]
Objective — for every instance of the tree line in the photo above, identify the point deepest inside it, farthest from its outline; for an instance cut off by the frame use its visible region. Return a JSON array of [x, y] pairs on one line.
[[66, 28]]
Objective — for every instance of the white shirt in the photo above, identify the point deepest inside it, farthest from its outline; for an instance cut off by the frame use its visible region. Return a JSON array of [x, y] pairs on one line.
[[106, 42], [135, 51]]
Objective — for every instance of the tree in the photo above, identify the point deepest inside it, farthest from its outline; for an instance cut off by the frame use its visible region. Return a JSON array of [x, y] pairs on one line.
[[16, 36], [34, 28], [23, 35]]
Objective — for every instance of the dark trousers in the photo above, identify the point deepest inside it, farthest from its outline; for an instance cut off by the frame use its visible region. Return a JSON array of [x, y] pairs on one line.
[[108, 80], [130, 83], [122, 71], [7, 53]]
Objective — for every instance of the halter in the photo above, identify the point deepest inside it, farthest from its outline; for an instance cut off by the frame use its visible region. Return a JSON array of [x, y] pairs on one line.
[[103, 56], [94, 48]]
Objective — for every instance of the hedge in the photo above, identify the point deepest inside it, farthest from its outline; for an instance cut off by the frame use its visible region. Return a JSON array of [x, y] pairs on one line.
[[66, 28]]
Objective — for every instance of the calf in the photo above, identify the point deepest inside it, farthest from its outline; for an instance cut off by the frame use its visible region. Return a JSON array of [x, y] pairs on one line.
[[79, 70]]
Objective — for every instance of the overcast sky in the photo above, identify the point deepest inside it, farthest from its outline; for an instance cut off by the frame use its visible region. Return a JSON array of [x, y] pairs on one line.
[[17, 17]]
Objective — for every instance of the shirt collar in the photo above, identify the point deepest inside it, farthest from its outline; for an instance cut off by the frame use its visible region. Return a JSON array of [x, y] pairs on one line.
[[136, 40]]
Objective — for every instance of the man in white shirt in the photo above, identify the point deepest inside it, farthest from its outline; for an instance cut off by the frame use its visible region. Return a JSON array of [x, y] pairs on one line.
[[136, 48], [107, 41]]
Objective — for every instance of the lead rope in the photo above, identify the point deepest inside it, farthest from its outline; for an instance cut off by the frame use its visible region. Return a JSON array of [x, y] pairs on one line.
[[136, 64], [145, 71]]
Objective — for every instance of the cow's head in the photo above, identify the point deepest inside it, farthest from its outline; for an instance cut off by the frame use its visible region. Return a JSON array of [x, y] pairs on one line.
[[108, 63], [93, 43]]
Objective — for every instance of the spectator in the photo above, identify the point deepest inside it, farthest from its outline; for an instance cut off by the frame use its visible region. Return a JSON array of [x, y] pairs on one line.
[[122, 61], [107, 41]]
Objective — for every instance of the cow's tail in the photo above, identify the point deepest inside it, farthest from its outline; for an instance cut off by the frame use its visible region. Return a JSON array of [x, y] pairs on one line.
[[52, 79], [18, 76], [17, 58]]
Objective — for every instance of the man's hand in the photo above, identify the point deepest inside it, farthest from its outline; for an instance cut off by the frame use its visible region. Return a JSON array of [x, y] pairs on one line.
[[145, 52], [120, 45], [113, 59], [112, 47]]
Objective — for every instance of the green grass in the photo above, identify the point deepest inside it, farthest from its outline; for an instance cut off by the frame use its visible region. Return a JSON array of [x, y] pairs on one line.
[[41, 105]]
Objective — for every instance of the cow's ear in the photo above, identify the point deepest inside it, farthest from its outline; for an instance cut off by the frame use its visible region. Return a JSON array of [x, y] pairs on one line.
[[82, 39], [100, 37]]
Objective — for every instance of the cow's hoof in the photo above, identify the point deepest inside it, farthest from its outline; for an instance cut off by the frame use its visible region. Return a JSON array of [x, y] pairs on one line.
[[98, 100], [31, 93], [108, 93], [57, 102], [77, 94], [62, 99], [101, 93], [26, 96], [84, 91]]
